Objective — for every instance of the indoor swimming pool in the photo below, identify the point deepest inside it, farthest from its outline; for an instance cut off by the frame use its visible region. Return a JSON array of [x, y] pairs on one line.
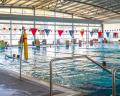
[[78, 74]]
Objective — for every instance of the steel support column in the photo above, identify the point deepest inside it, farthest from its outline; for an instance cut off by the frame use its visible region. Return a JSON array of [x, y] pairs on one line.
[[10, 29], [34, 22]]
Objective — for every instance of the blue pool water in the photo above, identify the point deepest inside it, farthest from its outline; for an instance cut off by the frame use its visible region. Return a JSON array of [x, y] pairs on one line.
[[78, 74]]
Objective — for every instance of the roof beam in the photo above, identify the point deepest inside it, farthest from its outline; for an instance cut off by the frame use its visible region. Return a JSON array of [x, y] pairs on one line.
[[90, 10], [100, 2], [9, 6], [97, 15], [64, 4], [15, 2], [52, 4], [70, 13], [7, 1], [23, 3], [46, 4], [72, 7], [78, 8], [104, 18], [3, 2], [59, 4], [69, 5], [37, 1], [115, 6], [42, 2], [93, 5]]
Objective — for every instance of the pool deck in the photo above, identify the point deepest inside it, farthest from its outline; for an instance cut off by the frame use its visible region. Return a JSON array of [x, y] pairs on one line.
[[11, 85]]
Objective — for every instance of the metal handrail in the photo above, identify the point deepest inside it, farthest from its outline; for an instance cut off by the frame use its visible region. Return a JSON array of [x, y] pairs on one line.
[[114, 81], [57, 59], [99, 65], [65, 58]]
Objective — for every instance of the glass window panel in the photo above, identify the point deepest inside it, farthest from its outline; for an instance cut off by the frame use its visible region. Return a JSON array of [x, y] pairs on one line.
[[40, 13], [5, 10], [76, 17], [4, 29], [16, 29], [28, 12], [4, 37], [49, 13], [67, 16], [4, 21], [59, 15], [16, 37], [16, 11], [16, 21]]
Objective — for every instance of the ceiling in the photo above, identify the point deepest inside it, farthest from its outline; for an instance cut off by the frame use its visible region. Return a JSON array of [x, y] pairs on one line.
[[89, 9]]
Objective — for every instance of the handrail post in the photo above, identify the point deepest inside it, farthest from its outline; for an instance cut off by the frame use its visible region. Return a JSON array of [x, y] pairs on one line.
[[114, 81], [50, 65], [51, 87]]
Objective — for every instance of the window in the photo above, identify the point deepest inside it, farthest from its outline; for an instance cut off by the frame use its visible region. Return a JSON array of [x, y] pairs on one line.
[[4, 10]]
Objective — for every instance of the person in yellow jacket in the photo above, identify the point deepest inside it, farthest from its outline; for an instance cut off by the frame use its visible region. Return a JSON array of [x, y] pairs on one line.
[[25, 46]]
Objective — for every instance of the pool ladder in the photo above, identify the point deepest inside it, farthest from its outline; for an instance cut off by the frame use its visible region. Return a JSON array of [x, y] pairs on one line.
[[114, 81], [69, 58]]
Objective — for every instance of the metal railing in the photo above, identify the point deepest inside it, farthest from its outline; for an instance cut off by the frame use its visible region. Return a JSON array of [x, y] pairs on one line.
[[66, 58], [114, 81]]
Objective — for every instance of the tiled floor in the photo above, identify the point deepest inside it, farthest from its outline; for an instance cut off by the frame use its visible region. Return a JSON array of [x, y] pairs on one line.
[[11, 86]]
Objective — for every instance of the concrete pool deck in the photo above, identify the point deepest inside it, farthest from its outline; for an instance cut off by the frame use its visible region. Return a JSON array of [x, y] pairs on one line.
[[10, 85]]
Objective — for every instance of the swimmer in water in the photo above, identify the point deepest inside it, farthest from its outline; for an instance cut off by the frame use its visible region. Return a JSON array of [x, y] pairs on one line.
[[104, 64]]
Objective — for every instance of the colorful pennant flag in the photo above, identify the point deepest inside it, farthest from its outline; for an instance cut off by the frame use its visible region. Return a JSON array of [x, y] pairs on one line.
[[71, 33], [91, 33], [99, 34], [108, 34], [115, 34], [82, 33], [20, 29], [9, 29], [33, 30], [41, 32], [47, 31], [23, 28], [15, 29], [4, 28], [60, 32]]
